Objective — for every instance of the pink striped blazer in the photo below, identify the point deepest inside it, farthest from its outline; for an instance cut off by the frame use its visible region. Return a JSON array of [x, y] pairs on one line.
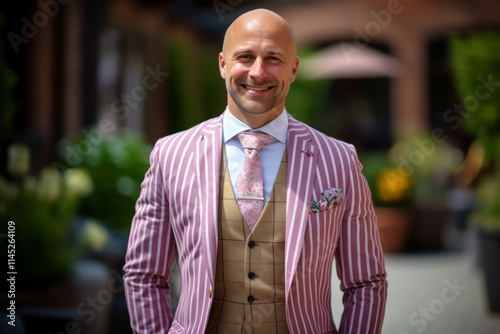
[[176, 215]]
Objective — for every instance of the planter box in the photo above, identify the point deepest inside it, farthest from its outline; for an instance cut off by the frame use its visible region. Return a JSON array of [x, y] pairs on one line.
[[394, 225], [428, 228], [489, 248]]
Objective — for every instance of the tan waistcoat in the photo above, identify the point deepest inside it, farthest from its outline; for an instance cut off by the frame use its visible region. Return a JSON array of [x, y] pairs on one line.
[[249, 294]]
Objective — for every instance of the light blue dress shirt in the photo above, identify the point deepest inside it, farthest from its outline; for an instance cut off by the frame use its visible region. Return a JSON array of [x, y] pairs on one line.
[[270, 155]]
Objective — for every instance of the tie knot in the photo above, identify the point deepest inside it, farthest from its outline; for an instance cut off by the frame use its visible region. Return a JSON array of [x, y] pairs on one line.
[[253, 140]]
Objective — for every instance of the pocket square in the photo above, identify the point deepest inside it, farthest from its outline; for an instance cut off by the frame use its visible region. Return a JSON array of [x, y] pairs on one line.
[[329, 199]]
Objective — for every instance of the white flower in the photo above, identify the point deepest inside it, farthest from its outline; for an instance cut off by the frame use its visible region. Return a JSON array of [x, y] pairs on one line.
[[18, 160], [49, 187], [77, 182], [94, 235]]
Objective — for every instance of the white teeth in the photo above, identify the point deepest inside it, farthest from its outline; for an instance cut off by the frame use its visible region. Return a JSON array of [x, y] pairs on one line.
[[256, 88]]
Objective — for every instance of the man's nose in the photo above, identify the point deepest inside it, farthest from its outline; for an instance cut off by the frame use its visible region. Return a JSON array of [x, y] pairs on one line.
[[258, 70]]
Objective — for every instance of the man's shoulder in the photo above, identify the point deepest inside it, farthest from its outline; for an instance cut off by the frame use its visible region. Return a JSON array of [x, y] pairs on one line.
[[320, 137], [183, 137]]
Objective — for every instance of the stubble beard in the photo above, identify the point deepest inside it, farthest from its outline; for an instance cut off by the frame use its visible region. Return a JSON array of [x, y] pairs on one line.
[[253, 107]]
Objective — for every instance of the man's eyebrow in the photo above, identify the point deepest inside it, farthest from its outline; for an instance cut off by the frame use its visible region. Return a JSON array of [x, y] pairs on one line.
[[275, 52], [240, 51], [250, 51]]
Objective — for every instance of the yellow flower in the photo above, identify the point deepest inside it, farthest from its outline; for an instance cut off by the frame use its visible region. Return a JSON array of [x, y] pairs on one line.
[[392, 186]]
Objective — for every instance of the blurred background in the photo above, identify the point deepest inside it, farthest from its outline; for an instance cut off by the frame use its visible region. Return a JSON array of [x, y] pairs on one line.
[[89, 86]]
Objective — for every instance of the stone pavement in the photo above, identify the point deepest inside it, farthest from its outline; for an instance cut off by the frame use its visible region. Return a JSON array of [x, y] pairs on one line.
[[435, 293]]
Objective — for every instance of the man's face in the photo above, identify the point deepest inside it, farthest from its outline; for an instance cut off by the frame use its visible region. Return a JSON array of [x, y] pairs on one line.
[[258, 64]]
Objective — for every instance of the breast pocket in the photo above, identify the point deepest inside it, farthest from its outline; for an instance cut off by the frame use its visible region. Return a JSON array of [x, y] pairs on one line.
[[176, 328]]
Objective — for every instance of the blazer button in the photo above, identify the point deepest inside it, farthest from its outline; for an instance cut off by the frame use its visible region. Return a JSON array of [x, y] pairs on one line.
[[251, 244], [251, 275], [251, 299]]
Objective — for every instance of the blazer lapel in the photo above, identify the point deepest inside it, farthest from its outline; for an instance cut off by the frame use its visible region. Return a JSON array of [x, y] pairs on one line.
[[208, 160], [302, 160]]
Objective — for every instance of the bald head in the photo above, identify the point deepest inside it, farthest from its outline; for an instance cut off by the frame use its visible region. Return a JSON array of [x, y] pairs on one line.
[[258, 63], [260, 21]]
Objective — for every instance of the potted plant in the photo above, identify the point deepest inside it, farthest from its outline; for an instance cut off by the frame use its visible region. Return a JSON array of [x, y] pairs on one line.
[[41, 212], [432, 164], [475, 60], [391, 194], [116, 163]]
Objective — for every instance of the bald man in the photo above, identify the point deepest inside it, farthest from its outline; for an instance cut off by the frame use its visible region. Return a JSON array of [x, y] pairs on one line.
[[267, 269]]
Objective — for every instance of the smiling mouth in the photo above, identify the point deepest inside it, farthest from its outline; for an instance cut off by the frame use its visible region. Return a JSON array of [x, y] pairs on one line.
[[257, 89]]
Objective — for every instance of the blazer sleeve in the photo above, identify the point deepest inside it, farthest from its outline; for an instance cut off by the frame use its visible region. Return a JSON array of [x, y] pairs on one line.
[[359, 258], [150, 254]]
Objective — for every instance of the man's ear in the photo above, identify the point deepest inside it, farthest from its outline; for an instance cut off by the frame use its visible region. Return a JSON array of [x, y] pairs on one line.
[[295, 68], [222, 66]]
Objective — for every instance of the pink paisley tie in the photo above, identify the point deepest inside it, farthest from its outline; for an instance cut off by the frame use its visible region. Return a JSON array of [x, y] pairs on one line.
[[250, 187]]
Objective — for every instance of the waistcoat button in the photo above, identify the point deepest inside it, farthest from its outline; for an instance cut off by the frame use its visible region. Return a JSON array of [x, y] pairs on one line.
[[251, 275], [251, 299], [251, 244]]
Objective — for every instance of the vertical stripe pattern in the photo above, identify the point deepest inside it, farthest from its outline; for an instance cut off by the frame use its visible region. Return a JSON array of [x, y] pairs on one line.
[[347, 232], [176, 218]]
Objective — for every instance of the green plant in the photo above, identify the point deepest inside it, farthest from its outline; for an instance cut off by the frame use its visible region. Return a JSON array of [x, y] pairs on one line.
[[196, 89], [43, 211], [117, 165], [475, 60], [431, 164], [306, 97], [489, 196]]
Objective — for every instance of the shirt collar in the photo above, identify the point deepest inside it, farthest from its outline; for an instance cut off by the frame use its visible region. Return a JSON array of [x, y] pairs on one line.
[[278, 127]]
